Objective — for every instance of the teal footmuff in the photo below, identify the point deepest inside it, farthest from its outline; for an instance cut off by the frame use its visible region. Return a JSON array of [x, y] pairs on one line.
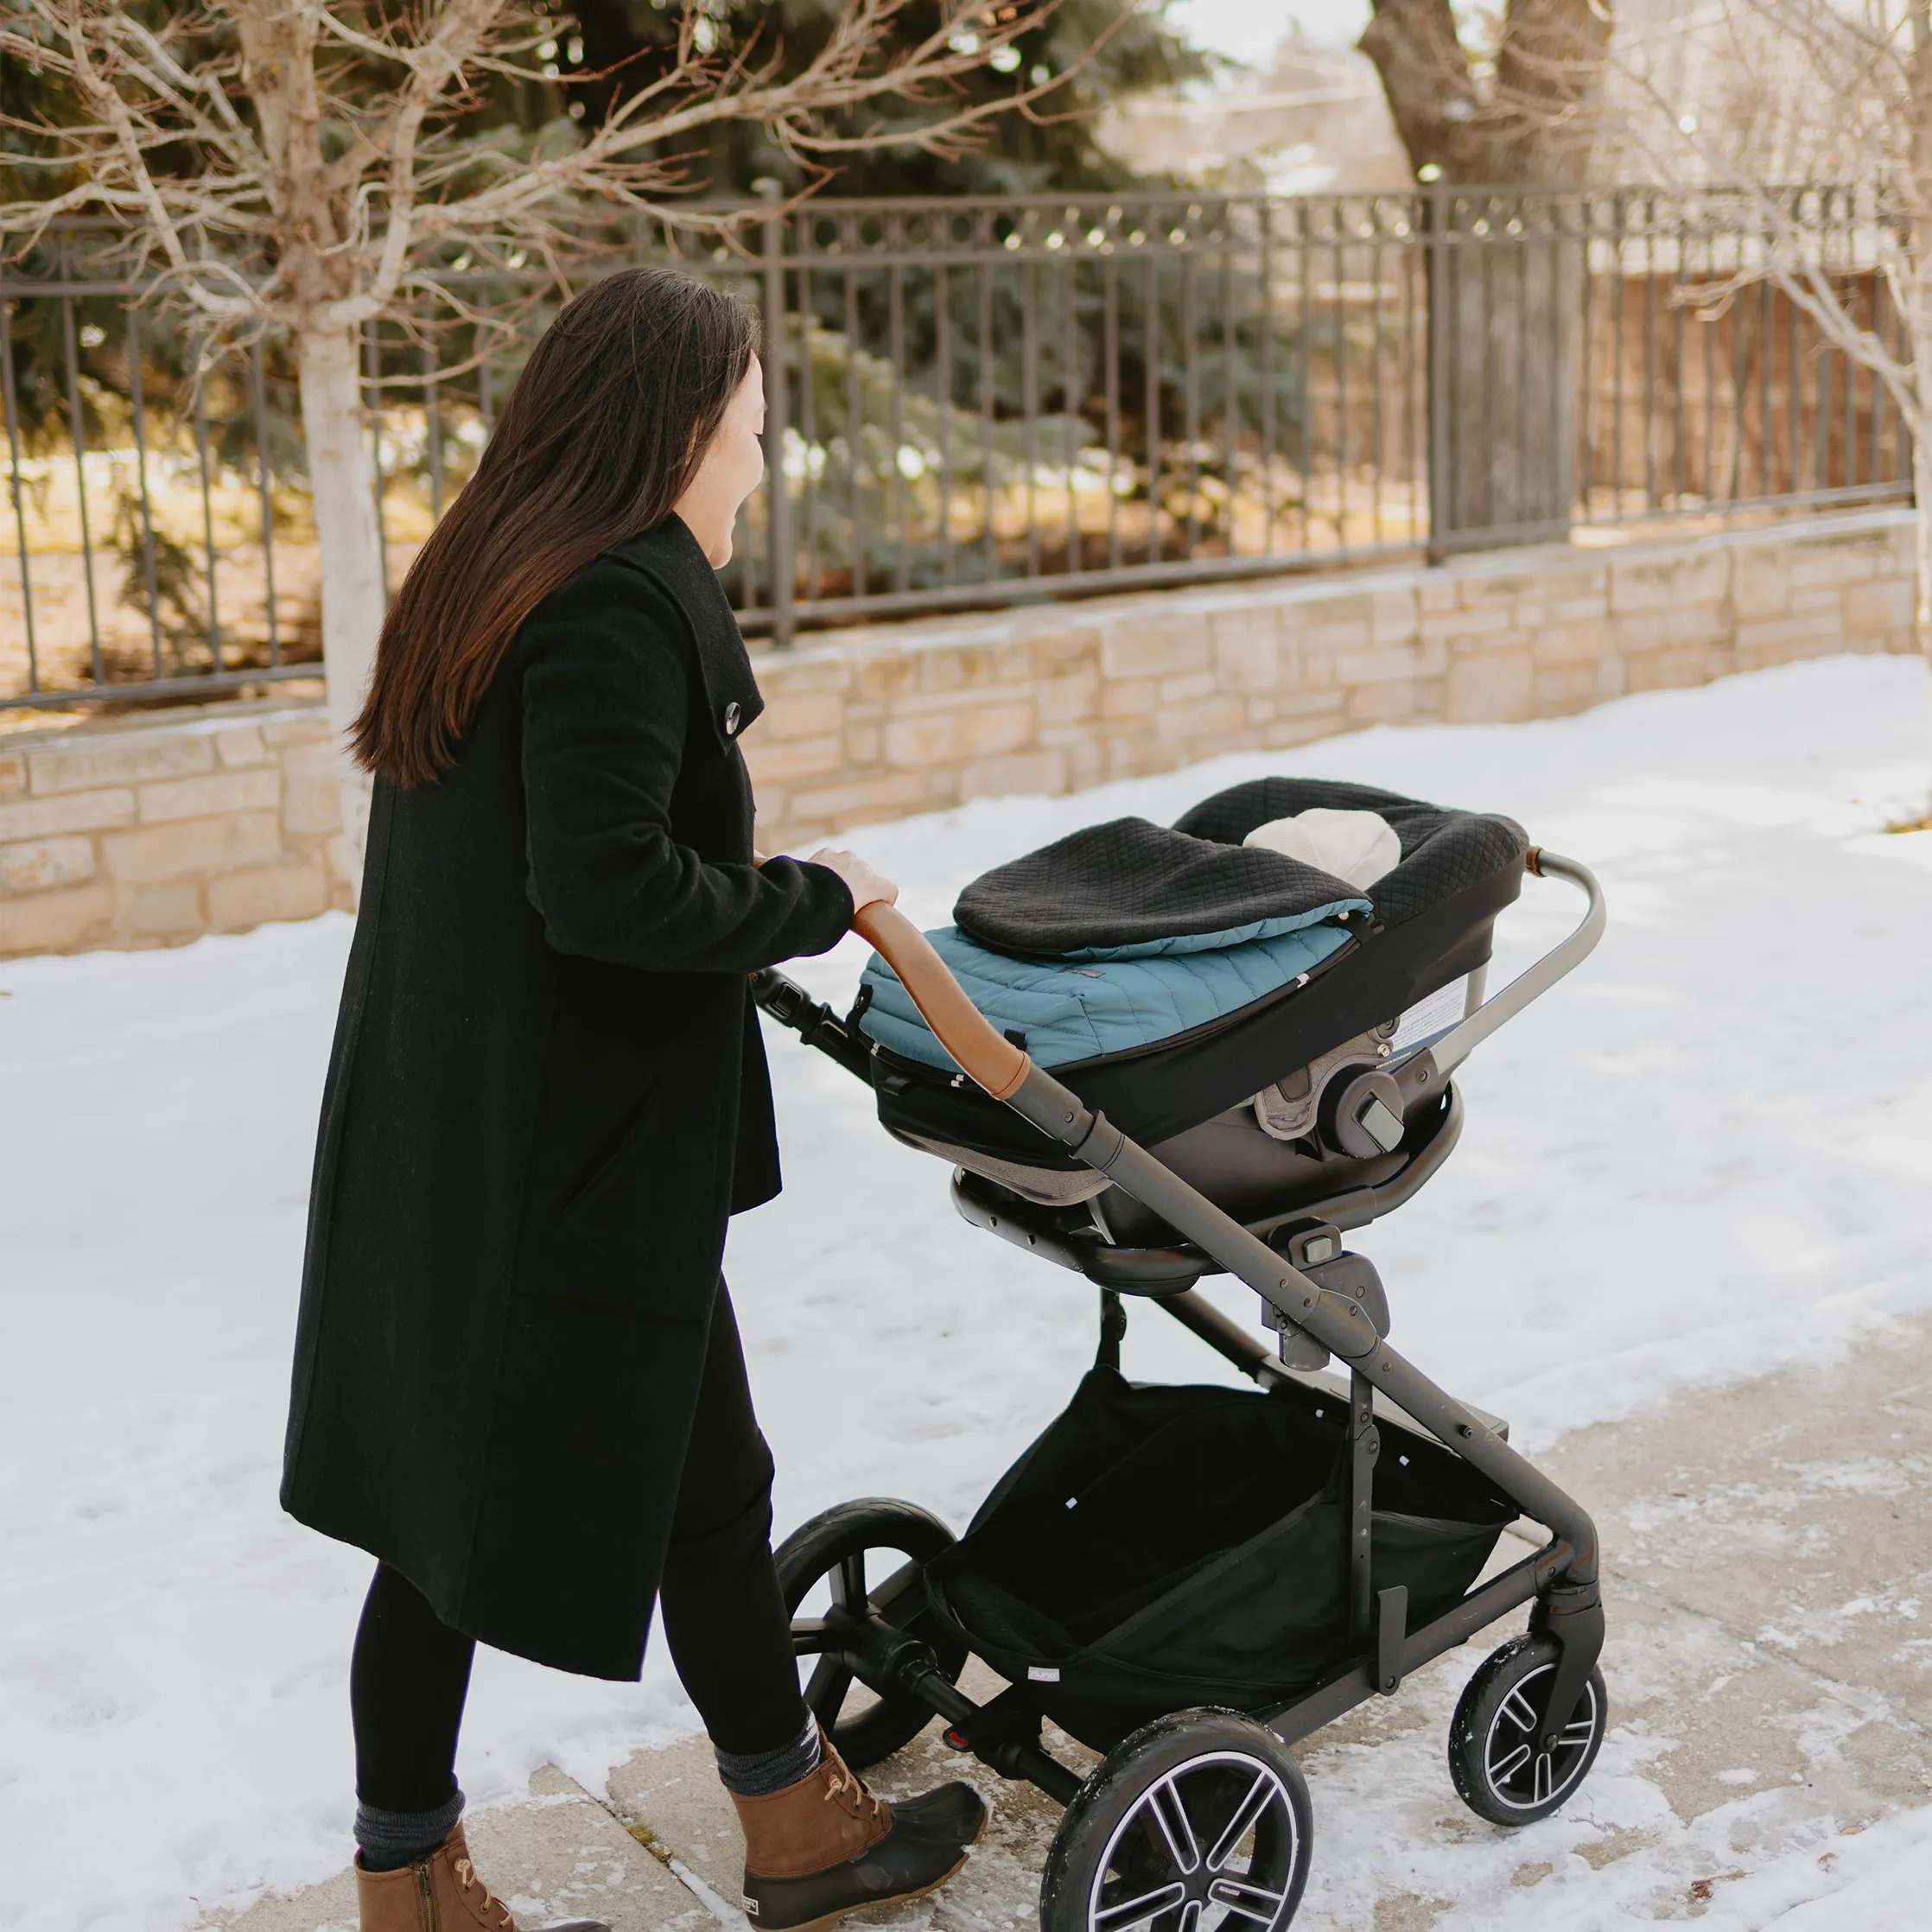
[[1082, 1006]]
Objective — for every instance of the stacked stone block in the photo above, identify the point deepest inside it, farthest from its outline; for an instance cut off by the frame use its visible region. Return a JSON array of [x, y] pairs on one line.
[[868, 724], [150, 834]]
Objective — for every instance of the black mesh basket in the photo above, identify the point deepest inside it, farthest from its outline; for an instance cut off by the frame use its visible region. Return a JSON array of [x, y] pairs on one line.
[[1164, 1547]]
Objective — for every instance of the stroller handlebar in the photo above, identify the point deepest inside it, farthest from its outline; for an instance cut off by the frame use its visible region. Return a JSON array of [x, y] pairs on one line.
[[990, 1058]]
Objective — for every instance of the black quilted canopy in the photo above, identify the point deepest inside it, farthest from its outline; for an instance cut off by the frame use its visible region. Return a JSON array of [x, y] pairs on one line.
[[1444, 852], [1130, 881]]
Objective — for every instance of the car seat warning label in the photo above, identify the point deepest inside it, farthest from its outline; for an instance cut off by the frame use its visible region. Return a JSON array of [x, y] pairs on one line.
[[1431, 1016]]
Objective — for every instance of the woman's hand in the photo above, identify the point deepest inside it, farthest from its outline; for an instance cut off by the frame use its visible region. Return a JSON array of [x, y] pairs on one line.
[[866, 886]]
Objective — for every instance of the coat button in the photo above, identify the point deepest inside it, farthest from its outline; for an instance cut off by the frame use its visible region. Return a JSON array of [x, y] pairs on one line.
[[731, 719]]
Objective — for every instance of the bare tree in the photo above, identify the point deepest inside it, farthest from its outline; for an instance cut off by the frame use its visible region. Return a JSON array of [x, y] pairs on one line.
[[1513, 109], [1777, 93], [1517, 108], [301, 167]]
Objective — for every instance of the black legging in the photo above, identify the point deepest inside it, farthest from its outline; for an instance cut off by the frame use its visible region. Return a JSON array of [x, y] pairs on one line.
[[723, 1616]]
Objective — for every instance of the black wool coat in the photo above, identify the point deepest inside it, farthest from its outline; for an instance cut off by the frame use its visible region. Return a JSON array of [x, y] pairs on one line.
[[547, 1094]]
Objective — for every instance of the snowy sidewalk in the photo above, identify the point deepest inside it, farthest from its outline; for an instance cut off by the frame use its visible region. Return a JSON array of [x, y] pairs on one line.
[[1769, 1583], [1705, 1158]]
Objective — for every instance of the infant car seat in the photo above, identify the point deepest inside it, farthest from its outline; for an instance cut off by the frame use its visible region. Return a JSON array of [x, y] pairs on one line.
[[1169, 977]]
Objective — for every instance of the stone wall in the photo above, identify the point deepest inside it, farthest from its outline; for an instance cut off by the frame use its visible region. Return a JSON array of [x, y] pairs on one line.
[[869, 724], [150, 833]]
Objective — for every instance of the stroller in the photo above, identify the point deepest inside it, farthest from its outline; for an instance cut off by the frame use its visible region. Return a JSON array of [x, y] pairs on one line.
[[1154, 1054]]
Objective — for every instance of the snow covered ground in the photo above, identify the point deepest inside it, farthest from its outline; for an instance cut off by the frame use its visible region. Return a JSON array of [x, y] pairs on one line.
[[1712, 1146]]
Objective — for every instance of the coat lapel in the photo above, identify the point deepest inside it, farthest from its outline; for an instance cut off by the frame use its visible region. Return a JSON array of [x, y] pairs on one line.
[[671, 554]]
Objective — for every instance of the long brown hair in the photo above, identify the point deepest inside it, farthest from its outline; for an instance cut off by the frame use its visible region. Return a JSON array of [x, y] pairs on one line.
[[601, 436]]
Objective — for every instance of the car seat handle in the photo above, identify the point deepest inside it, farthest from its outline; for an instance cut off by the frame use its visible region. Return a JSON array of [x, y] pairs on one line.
[[1442, 1057], [990, 1058]]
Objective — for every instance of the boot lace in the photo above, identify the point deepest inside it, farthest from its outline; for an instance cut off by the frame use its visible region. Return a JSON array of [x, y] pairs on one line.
[[481, 1900], [841, 1783]]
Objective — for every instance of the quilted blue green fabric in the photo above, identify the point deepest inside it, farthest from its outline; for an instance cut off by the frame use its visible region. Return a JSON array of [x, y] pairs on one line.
[[1078, 1007]]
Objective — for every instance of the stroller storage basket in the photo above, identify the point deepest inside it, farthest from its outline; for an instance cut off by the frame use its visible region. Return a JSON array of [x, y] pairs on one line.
[[1159, 1548]]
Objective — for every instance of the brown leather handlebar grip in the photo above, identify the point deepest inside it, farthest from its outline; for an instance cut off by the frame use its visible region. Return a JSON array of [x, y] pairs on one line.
[[990, 1059]]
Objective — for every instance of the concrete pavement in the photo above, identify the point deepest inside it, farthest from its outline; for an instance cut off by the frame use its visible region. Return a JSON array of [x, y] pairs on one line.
[[559, 1854], [1769, 1580]]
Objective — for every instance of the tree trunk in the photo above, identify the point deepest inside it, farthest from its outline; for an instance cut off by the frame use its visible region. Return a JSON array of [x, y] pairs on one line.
[[1922, 532], [1506, 299], [1922, 502], [352, 592], [1505, 332]]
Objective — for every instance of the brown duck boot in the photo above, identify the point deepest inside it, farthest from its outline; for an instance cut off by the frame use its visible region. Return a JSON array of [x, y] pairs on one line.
[[440, 1893], [825, 1846]]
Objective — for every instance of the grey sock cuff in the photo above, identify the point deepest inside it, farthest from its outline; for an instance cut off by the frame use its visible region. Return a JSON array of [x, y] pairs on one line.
[[390, 1840], [758, 1774]]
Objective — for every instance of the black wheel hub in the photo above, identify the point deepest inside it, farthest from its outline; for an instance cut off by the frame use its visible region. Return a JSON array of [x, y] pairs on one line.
[[865, 1636], [1211, 1845], [1199, 1821], [1520, 1769], [1512, 1759]]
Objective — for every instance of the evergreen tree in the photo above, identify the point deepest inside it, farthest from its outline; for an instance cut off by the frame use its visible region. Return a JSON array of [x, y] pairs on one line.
[[620, 45]]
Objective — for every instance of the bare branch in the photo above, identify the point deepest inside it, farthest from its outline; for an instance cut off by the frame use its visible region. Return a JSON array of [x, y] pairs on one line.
[[345, 227], [183, 90], [1871, 128], [81, 28], [462, 32]]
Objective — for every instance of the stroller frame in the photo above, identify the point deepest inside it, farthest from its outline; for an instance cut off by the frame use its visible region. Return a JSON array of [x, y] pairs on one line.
[[1322, 1301]]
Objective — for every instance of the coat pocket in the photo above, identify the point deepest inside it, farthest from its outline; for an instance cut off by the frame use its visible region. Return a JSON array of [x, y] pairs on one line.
[[595, 1206], [641, 1233]]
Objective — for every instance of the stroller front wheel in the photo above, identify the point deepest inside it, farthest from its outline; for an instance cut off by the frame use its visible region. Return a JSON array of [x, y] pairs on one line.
[[1196, 1821], [1496, 1758], [851, 1561]]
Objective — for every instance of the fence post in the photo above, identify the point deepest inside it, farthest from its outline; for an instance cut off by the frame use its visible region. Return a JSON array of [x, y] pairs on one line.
[[1442, 323], [777, 413]]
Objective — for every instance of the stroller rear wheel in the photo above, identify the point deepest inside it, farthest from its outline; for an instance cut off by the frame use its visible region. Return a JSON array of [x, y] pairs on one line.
[[1197, 1822], [1501, 1772], [855, 1560]]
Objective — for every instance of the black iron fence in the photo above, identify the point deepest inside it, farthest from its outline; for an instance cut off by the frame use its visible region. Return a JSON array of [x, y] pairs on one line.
[[979, 403]]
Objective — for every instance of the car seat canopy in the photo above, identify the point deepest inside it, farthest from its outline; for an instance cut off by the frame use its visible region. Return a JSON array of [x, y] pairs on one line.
[[1444, 852], [1129, 888]]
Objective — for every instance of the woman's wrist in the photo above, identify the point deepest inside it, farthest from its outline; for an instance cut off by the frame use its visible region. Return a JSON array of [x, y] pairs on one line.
[[866, 887]]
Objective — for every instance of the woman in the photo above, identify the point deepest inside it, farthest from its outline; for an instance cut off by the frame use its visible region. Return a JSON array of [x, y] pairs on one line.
[[517, 1381]]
